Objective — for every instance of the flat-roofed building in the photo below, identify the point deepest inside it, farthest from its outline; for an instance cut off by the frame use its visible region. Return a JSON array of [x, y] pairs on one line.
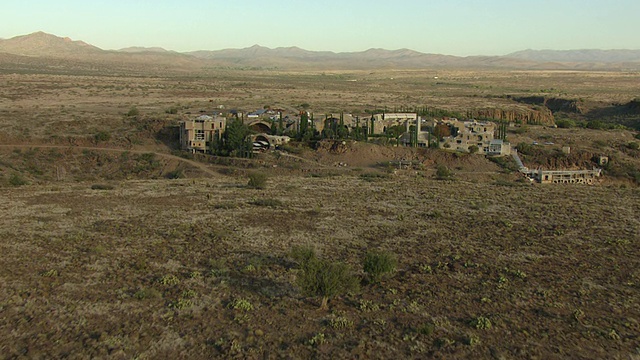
[[196, 134]]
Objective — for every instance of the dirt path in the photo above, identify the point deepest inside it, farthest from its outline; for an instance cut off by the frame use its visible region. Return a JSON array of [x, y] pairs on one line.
[[196, 164]]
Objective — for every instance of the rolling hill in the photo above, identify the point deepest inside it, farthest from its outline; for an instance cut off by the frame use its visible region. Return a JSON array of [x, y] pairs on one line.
[[578, 56], [51, 48]]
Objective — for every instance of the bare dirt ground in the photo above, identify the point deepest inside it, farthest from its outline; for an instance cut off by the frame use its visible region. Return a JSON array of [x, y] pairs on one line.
[[105, 256]]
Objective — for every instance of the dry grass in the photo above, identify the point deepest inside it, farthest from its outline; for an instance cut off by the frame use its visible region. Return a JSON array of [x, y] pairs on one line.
[[41, 105], [86, 268]]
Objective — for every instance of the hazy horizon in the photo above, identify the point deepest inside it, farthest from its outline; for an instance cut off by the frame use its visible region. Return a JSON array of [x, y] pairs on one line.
[[460, 28]]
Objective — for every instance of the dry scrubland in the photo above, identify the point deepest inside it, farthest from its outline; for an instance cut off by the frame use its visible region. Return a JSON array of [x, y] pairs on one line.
[[44, 105], [156, 269], [103, 256]]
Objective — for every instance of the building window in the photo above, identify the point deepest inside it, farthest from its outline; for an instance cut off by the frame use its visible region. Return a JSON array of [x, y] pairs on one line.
[[199, 135]]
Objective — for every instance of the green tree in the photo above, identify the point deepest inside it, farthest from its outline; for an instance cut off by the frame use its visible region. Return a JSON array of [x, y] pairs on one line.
[[236, 139], [395, 131]]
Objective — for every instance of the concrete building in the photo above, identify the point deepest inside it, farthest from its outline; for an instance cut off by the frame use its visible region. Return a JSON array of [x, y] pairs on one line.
[[381, 122], [196, 134], [466, 134], [567, 177], [498, 147], [271, 141]]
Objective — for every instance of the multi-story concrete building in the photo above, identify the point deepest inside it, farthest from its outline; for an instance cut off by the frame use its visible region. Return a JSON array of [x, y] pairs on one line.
[[381, 122], [466, 134], [196, 135]]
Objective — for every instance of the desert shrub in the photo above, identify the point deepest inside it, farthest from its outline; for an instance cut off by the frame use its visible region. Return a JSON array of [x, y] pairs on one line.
[[565, 124], [169, 280], [257, 180], [291, 149], [521, 130], [378, 264], [172, 110], [175, 174], [481, 323], [373, 176], [102, 136], [326, 279], [474, 149], [600, 144], [633, 145], [148, 293], [17, 180], [49, 273], [181, 304], [325, 174], [273, 203], [443, 172], [505, 162], [102, 187], [317, 339], [225, 205], [426, 328], [133, 112], [218, 268], [505, 182], [303, 254], [596, 125], [241, 304], [340, 322]]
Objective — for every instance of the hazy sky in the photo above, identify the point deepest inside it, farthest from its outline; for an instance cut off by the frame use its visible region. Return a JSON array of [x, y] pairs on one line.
[[453, 27]]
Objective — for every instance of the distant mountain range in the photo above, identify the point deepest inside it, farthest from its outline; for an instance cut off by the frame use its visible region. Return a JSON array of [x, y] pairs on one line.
[[23, 50], [578, 56]]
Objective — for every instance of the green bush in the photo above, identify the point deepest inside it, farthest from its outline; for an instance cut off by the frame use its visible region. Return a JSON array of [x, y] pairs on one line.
[[241, 304], [257, 180], [378, 264], [565, 124], [17, 180], [481, 323], [373, 176], [102, 187], [326, 279], [521, 130], [633, 145], [596, 125], [272, 203], [303, 254], [102, 136], [133, 112], [443, 172], [474, 149], [175, 174]]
